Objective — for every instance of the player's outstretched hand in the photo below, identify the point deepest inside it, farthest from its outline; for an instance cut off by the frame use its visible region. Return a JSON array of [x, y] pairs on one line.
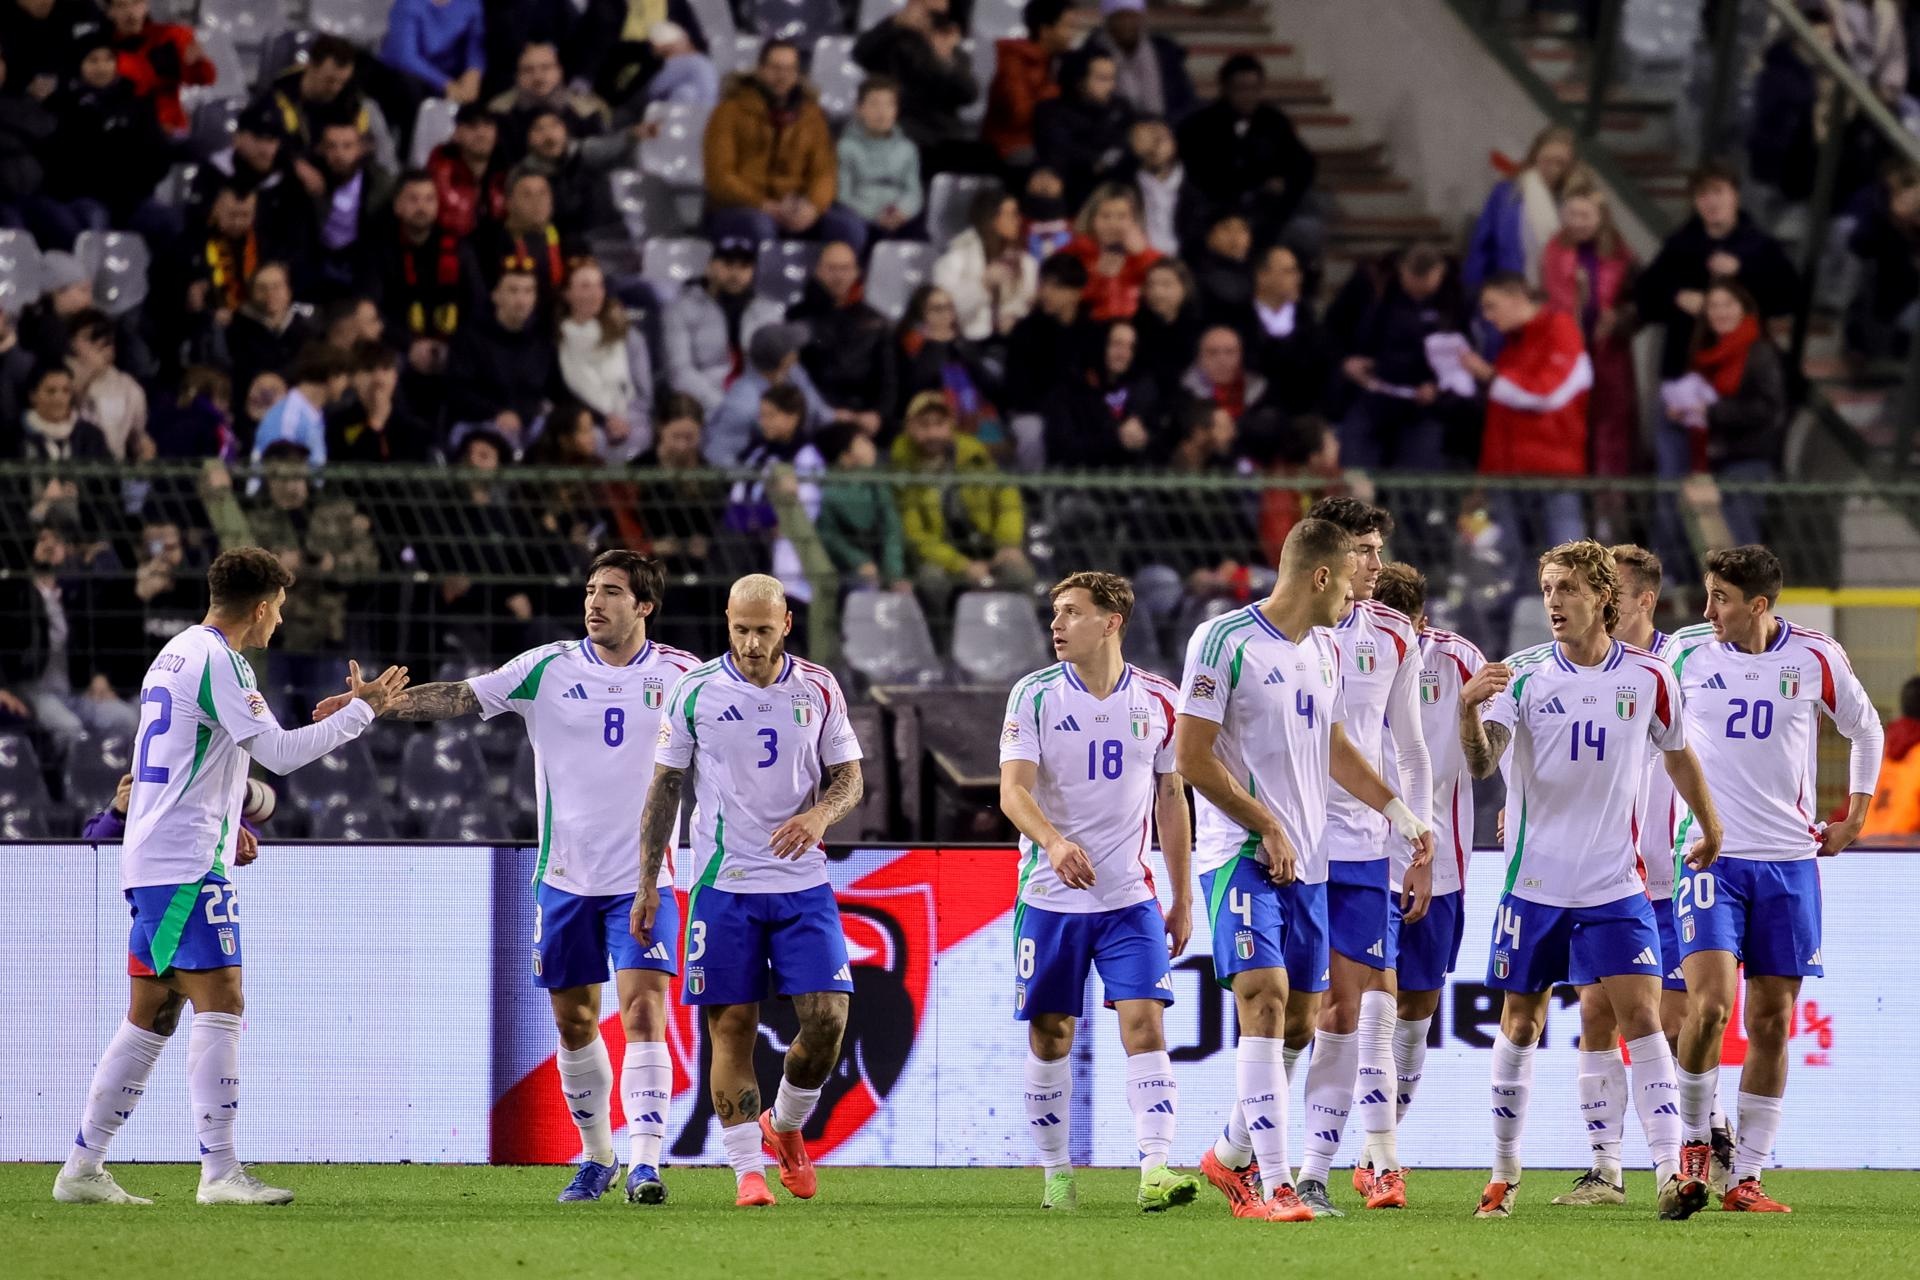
[[646, 908], [1485, 683], [1282, 862], [246, 848], [1071, 864], [327, 706], [797, 834], [1416, 890], [378, 690]]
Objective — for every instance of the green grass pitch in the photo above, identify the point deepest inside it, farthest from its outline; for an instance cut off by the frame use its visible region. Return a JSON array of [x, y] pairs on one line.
[[427, 1222]]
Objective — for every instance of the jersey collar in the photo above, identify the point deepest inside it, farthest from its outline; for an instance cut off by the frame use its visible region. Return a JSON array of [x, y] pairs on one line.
[[1075, 682], [593, 656], [1779, 639], [726, 661], [1615, 652], [1253, 611]]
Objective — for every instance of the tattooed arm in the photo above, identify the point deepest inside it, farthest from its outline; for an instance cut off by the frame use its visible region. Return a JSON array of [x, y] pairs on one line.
[[1483, 744], [447, 700], [844, 787], [657, 819]]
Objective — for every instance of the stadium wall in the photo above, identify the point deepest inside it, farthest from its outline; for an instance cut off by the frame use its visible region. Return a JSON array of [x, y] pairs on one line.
[[391, 1017]]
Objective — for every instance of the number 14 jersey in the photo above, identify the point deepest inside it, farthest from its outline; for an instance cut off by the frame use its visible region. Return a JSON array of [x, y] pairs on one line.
[[1581, 738]]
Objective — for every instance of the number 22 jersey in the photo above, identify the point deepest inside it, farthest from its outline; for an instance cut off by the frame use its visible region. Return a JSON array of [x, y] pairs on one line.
[[1575, 782]]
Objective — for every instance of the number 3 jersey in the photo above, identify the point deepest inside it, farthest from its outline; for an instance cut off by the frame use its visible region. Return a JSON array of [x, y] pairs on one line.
[[1754, 721], [593, 729], [1276, 701], [757, 757], [1098, 764], [1575, 782]]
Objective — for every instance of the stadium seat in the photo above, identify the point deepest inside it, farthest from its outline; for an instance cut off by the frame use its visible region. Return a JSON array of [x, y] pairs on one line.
[[897, 268], [996, 637], [522, 804], [118, 261], [432, 125], [229, 69], [873, 12], [949, 199], [669, 263], [177, 185], [981, 55], [19, 270], [474, 822], [213, 123], [251, 23], [836, 76], [1140, 645], [440, 771], [644, 204], [360, 820], [362, 21], [995, 20], [345, 776], [801, 21], [783, 269], [884, 638], [716, 24], [286, 49], [675, 156], [745, 54], [25, 807], [94, 769]]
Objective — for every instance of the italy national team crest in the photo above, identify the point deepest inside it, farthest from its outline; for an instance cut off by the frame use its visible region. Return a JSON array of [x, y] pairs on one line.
[[653, 693], [802, 712], [1626, 702], [1363, 656], [1243, 944], [1429, 687], [696, 981], [1501, 964], [227, 944], [1789, 682], [1142, 723]]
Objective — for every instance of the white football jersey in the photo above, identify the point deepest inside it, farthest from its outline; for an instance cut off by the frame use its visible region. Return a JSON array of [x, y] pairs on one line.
[[594, 728], [1276, 701], [1099, 764], [1660, 804], [1578, 768], [1754, 721], [199, 707], [1447, 662], [757, 755], [1379, 671]]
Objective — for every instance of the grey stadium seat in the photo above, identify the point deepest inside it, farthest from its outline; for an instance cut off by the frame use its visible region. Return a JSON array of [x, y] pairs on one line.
[[836, 76], [949, 199], [286, 49], [251, 23], [884, 637], [19, 270], [676, 156], [897, 268], [783, 269], [362, 21], [345, 776], [644, 203], [94, 769], [716, 23], [476, 821], [119, 263], [26, 810], [996, 637], [995, 20], [213, 122], [440, 771], [229, 68], [801, 21], [873, 12], [361, 820], [669, 264], [744, 54], [432, 125]]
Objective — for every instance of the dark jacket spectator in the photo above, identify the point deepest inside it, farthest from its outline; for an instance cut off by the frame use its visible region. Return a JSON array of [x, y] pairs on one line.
[[1082, 134], [502, 361], [1024, 76], [416, 270], [1284, 339], [849, 351], [106, 147], [1782, 150], [266, 334], [1886, 240], [54, 431], [1111, 417], [1168, 324], [325, 90], [524, 240], [25, 128], [576, 171], [158, 59], [919, 46], [471, 187], [1748, 422], [540, 84], [1055, 342], [1719, 241], [935, 356], [1223, 268], [38, 37], [1242, 152], [1152, 68], [258, 163]]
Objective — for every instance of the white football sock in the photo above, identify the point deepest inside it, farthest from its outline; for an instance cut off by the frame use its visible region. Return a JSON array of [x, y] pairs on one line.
[[742, 1142], [1409, 1060], [1697, 1094], [1512, 1086], [1331, 1071], [1603, 1107], [1259, 1070], [646, 1091], [1154, 1095], [1753, 1145], [1375, 1089], [213, 1085], [1289, 1058], [1050, 1109], [119, 1082], [1233, 1148], [586, 1080], [1656, 1101], [792, 1105]]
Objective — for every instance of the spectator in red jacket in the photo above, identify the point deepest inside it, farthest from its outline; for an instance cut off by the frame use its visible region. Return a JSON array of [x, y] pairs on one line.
[[1025, 74], [470, 187], [1536, 409], [1113, 246], [157, 59]]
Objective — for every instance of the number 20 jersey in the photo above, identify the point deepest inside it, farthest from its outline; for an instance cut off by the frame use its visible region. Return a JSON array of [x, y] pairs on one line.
[[1581, 738], [593, 729]]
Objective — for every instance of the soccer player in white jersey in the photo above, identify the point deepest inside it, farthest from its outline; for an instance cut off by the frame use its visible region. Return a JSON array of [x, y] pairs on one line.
[[1086, 775], [592, 709], [1581, 713], [775, 764], [1603, 1073], [201, 721], [1258, 735], [1755, 687], [1427, 949], [1353, 1064]]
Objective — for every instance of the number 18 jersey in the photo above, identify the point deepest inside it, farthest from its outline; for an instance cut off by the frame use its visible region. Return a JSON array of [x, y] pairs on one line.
[[1099, 760], [1581, 738], [593, 729]]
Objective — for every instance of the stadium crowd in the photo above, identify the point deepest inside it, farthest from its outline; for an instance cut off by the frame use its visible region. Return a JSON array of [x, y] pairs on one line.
[[439, 246]]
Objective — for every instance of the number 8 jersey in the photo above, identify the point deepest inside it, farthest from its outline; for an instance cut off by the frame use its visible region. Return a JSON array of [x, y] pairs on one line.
[[1581, 738]]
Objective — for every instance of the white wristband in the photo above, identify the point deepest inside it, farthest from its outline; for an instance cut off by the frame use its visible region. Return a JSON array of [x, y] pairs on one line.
[[1408, 827]]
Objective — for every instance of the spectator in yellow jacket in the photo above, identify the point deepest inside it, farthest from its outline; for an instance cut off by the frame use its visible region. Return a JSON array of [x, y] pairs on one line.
[[969, 535]]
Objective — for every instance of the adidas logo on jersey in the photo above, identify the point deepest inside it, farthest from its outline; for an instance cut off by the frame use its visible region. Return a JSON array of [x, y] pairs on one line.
[[1328, 1135], [1263, 1123], [1718, 682], [1047, 1121], [1505, 1113], [1069, 725], [1163, 1107], [1646, 956], [1274, 677], [651, 1117], [659, 952], [1374, 1098], [1814, 958], [575, 692], [731, 713], [1595, 1125], [1666, 1109], [1553, 707], [845, 974]]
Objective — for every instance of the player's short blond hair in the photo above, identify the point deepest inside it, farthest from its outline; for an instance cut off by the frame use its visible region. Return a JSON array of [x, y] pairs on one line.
[[1594, 563], [758, 588], [1640, 569], [1111, 593]]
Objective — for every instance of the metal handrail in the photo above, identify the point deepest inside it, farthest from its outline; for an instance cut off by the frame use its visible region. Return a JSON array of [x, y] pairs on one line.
[[1857, 89]]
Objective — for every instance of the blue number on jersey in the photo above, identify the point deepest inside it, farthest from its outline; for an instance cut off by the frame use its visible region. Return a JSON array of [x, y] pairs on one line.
[[1595, 736], [770, 739], [163, 699], [616, 727], [1104, 758], [1303, 704], [1758, 717]]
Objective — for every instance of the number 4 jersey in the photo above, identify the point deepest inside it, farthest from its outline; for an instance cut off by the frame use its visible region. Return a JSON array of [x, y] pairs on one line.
[[1581, 737], [593, 729]]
